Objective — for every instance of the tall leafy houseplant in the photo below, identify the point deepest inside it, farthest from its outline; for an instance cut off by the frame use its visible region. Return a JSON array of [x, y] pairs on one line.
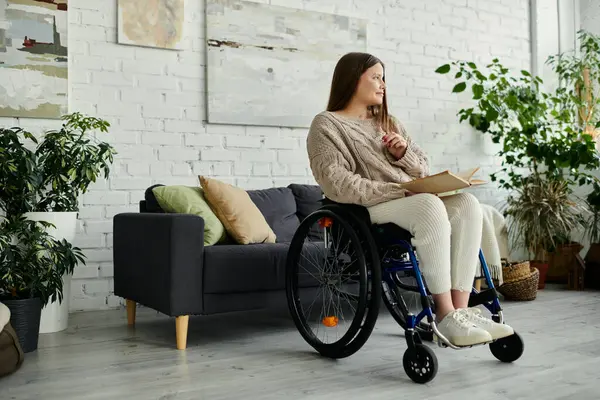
[[545, 151], [19, 175], [32, 264], [43, 181], [538, 137], [580, 82], [61, 167], [70, 160], [580, 76]]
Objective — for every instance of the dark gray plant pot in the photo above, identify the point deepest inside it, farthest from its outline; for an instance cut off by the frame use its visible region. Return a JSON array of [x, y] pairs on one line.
[[25, 317]]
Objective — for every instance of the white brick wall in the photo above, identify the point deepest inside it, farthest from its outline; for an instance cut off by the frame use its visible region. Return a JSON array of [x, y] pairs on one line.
[[155, 102], [590, 16]]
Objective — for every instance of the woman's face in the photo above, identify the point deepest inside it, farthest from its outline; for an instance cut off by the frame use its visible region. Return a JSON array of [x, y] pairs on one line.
[[371, 87]]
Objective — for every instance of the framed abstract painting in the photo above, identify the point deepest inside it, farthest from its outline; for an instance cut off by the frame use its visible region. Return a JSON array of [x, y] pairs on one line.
[[276, 70], [33, 58], [151, 23]]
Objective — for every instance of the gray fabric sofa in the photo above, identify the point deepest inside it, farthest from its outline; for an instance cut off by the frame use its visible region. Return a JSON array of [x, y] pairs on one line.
[[160, 260]]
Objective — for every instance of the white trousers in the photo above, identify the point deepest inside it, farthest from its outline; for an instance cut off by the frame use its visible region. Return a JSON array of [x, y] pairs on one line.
[[446, 236]]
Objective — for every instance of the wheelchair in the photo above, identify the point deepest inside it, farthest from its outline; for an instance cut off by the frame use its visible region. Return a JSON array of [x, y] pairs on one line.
[[341, 262]]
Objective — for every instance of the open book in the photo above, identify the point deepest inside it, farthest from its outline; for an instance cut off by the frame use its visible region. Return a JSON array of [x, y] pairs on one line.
[[444, 182]]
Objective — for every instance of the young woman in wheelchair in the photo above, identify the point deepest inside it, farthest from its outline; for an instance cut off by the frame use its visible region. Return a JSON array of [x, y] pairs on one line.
[[359, 154]]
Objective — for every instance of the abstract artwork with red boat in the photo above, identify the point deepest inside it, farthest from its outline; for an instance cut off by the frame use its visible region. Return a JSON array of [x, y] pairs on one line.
[[33, 58]]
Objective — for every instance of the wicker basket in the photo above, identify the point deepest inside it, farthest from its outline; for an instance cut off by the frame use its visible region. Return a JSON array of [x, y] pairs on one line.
[[524, 289], [516, 271]]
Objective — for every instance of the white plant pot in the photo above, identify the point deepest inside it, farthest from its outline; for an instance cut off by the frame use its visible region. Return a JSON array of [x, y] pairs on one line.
[[55, 315]]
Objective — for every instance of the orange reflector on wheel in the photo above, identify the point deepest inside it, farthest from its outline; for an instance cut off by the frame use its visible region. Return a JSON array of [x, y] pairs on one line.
[[330, 322], [325, 222]]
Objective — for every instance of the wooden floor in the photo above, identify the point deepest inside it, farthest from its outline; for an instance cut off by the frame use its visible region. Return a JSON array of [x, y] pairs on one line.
[[261, 356]]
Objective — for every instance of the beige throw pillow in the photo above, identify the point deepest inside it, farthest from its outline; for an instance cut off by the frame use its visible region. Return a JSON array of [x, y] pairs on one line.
[[242, 219]]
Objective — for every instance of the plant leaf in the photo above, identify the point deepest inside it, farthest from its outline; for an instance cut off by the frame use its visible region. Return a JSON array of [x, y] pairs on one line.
[[444, 69], [477, 91], [460, 87]]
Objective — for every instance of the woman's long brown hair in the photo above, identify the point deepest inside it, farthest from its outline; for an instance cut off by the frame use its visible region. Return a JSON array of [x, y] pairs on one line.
[[346, 75]]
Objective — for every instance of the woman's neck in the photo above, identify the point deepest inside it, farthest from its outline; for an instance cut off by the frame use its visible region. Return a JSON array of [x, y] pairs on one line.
[[358, 111]]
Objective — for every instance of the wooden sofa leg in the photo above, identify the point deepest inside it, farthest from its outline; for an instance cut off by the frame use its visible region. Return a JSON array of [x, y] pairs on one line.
[[131, 312], [181, 330]]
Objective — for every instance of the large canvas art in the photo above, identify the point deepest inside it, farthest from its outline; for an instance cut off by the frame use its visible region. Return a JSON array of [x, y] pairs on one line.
[[151, 23], [276, 70], [33, 58]]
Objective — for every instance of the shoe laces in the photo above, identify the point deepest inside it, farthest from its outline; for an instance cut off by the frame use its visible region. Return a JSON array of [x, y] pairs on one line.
[[474, 310], [476, 314], [461, 316]]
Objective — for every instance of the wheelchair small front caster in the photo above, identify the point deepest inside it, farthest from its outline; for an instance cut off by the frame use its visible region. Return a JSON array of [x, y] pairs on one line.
[[508, 349], [420, 364]]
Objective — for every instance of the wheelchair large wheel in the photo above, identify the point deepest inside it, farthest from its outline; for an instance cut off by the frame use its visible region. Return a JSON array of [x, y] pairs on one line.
[[333, 283]]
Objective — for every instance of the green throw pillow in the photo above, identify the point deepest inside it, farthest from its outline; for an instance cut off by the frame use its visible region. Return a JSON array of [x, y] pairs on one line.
[[190, 200]]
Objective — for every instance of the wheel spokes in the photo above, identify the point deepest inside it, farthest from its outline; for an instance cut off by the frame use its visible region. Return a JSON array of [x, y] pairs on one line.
[[330, 267]]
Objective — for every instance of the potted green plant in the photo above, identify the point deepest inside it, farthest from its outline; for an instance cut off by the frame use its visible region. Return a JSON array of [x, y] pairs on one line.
[[545, 152], [542, 215], [32, 264], [592, 230], [45, 183], [579, 74], [580, 77]]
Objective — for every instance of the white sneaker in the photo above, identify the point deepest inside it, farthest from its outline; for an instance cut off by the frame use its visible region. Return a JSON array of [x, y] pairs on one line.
[[461, 331], [496, 330]]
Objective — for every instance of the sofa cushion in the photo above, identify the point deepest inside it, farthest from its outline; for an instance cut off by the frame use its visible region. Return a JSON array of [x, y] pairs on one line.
[[151, 201], [240, 216], [308, 199], [234, 268], [278, 206], [190, 200], [255, 267]]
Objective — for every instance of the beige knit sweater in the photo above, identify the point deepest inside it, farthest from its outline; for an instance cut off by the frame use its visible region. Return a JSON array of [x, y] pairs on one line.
[[352, 165]]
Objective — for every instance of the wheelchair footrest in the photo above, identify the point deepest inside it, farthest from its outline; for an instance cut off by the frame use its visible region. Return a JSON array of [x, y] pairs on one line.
[[482, 297], [440, 343]]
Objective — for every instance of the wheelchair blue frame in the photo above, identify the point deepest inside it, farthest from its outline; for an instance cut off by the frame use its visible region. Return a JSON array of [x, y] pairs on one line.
[[493, 305]]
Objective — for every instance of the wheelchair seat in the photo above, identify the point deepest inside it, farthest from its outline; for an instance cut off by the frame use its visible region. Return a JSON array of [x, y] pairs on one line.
[[384, 234]]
